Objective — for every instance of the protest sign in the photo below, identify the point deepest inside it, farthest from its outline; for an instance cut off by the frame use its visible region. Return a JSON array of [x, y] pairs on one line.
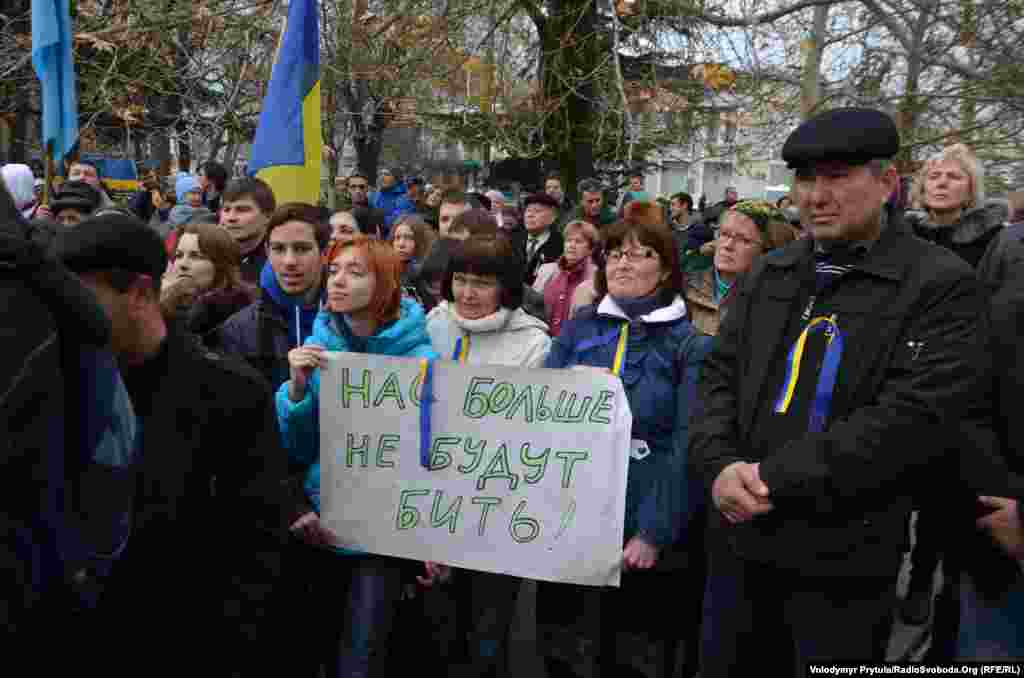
[[527, 468]]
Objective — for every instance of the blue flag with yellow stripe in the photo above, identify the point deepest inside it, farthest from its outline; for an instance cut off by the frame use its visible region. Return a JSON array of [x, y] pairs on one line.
[[286, 151]]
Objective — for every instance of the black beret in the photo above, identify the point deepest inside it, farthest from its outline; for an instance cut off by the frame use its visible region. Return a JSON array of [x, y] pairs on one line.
[[853, 135], [540, 199], [112, 241], [77, 195]]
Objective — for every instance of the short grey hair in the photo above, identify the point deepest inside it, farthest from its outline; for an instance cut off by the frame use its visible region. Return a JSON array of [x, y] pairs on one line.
[[590, 186], [968, 161]]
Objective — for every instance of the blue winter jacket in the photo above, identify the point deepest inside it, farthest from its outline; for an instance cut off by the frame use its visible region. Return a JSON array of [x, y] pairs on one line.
[[300, 422], [659, 374], [394, 203]]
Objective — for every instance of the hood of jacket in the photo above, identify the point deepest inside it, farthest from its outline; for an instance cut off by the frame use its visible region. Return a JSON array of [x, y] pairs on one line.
[[973, 224], [503, 320], [21, 183], [406, 335], [291, 308]]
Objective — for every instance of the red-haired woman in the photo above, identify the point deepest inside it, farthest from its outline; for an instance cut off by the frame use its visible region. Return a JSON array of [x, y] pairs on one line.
[[365, 313]]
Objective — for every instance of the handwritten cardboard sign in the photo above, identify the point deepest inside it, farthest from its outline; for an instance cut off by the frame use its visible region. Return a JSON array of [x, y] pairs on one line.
[[527, 468]]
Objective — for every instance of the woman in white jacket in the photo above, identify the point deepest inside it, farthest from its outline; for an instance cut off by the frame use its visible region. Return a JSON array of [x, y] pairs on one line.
[[480, 322]]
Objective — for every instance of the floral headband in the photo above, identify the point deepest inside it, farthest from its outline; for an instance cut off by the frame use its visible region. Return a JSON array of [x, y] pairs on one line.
[[761, 212]]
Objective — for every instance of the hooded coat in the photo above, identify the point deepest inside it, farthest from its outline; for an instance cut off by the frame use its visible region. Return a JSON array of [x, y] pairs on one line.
[[510, 337], [263, 332]]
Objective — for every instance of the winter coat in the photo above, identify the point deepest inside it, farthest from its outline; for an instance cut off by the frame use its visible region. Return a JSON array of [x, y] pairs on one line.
[[62, 410], [393, 202], [969, 237], [263, 332], [300, 422], [213, 505], [911, 320], [705, 312], [659, 374], [558, 283], [506, 337], [207, 313]]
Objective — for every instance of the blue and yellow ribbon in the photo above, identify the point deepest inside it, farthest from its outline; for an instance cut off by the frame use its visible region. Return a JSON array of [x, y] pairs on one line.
[[826, 378], [620, 351], [426, 398], [461, 352]]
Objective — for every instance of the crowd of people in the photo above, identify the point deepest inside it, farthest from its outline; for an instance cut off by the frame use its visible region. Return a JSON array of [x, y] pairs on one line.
[[161, 383]]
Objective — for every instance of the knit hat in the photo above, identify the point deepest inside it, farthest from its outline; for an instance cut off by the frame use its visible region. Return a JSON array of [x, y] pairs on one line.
[[112, 241]]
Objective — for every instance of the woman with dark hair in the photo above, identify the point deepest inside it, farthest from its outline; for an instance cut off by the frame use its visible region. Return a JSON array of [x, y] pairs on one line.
[[481, 322], [203, 283], [212, 178], [639, 332], [365, 313]]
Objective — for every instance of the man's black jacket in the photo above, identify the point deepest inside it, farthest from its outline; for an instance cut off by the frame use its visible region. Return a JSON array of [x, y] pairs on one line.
[[913, 373]]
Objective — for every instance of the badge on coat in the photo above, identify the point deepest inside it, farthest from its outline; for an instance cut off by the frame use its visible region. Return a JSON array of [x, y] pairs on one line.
[[638, 449]]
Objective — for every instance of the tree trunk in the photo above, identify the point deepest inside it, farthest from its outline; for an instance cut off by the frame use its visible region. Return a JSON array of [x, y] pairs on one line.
[[568, 58], [813, 47]]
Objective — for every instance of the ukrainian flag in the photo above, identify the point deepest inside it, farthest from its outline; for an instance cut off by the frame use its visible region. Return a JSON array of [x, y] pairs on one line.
[[286, 151]]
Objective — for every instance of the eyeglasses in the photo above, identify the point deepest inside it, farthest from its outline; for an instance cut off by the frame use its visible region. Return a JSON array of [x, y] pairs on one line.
[[634, 256], [737, 238]]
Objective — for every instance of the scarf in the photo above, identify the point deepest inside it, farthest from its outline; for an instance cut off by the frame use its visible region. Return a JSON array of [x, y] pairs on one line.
[[634, 307]]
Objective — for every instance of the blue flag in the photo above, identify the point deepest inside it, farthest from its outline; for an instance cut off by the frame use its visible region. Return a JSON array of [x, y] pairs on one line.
[[286, 150], [55, 66]]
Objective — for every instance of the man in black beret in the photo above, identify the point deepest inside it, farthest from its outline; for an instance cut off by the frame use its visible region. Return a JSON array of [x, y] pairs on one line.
[[543, 240], [822, 406], [211, 507]]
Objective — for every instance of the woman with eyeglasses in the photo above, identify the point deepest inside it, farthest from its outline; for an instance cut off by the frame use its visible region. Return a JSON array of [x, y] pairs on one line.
[[638, 331], [748, 230]]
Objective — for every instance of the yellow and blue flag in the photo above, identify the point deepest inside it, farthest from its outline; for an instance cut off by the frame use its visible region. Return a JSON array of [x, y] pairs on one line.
[[54, 64], [286, 151]]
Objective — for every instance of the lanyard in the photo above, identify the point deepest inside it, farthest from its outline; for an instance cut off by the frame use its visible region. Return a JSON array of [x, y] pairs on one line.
[[620, 351], [826, 378], [461, 352]]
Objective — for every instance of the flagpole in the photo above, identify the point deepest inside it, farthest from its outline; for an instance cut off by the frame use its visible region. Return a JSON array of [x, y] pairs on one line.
[[49, 172]]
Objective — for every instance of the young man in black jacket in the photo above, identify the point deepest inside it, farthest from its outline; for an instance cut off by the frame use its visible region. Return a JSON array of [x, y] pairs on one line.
[[823, 406]]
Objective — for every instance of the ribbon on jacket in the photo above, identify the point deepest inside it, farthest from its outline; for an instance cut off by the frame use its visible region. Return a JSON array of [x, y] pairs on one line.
[[461, 352], [620, 350], [426, 399], [826, 378]]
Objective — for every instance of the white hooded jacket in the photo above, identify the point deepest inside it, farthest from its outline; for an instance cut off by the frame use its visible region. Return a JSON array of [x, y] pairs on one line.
[[513, 338]]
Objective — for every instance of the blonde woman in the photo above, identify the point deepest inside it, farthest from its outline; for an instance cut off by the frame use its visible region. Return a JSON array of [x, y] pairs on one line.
[[950, 189]]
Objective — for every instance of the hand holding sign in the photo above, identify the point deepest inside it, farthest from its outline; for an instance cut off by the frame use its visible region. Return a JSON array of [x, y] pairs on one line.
[[302, 361]]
